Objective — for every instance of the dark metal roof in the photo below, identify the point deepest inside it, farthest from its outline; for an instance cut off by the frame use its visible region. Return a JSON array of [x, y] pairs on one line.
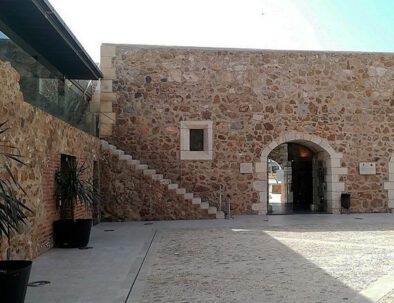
[[36, 27]]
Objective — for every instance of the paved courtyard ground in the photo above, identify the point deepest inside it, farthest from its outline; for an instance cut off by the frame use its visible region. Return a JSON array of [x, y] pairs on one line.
[[296, 258]]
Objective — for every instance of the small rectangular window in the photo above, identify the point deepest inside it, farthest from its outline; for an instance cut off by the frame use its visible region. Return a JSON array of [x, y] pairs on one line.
[[196, 139]]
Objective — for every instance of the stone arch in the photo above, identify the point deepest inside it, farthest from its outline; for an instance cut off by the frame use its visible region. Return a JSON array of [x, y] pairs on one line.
[[319, 145], [389, 185]]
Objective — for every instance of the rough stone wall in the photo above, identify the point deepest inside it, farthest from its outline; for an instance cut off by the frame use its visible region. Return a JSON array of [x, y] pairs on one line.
[[253, 97], [128, 194], [41, 139]]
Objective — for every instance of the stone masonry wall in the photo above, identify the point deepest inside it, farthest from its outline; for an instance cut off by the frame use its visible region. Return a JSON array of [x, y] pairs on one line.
[[254, 97], [41, 139]]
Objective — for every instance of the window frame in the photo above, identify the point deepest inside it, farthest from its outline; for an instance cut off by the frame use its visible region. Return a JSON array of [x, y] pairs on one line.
[[186, 153]]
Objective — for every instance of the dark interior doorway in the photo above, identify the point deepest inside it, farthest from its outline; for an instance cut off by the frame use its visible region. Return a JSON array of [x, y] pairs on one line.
[[301, 159], [295, 184]]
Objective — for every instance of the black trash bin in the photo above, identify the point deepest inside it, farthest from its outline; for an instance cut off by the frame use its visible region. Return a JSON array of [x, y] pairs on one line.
[[345, 200]]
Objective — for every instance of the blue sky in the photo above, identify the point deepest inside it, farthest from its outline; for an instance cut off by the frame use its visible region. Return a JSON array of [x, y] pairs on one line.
[[353, 24], [341, 25]]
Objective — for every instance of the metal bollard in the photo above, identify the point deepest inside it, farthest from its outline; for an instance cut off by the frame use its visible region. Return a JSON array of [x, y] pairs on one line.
[[228, 206], [220, 197]]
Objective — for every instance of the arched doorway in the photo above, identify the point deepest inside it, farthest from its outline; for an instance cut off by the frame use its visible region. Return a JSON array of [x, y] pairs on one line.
[[296, 181], [331, 172]]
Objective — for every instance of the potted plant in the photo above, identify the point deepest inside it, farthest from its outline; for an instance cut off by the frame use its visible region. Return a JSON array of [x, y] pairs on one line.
[[73, 188], [14, 274]]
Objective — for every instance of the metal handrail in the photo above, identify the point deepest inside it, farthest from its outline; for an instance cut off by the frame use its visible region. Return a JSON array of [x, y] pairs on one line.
[[226, 207]]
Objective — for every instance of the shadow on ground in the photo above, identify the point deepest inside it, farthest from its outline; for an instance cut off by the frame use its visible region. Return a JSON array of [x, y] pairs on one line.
[[299, 263]]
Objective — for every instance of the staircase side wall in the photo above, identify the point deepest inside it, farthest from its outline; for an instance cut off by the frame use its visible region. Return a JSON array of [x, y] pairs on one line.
[[129, 195]]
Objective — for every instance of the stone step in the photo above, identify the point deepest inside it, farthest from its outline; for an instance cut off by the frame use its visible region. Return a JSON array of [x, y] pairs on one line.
[[133, 162], [104, 145], [125, 157], [157, 177], [204, 205], [212, 210], [181, 191], [114, 151], [117, 152], [188, 196], [220, 215], [149, 172], [142, 166], [112, 146], [165, 181], [196, 200], [172, 186]]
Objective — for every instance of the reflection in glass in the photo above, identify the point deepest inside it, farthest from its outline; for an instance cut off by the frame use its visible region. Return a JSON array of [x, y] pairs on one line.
[[47, 89]]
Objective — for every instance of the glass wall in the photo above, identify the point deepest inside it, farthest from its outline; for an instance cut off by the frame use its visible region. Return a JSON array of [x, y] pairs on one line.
[[48, 90]]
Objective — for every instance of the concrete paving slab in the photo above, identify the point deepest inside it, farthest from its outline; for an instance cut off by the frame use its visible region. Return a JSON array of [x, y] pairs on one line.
[[102, 274]]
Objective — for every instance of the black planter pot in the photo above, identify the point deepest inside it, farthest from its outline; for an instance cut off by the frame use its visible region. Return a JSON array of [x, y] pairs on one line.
[[14, 276], [71, 234], [62, 233], [82, 228]]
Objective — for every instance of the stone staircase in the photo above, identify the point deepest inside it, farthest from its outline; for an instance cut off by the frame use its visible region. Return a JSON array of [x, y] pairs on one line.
[[212, 210]]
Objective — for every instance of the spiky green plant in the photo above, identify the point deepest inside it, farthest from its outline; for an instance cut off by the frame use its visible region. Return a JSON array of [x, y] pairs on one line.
[[73, 188], [12, 207]]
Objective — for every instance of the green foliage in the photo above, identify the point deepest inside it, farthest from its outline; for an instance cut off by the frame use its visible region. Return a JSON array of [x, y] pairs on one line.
[[12, 207], [73, 188]]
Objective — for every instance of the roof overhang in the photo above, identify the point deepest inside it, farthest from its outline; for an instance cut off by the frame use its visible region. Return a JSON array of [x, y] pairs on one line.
[[37, 28]]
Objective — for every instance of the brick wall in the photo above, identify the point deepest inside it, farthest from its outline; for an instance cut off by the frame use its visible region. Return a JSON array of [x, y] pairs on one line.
[[45, 238], [48, 187]]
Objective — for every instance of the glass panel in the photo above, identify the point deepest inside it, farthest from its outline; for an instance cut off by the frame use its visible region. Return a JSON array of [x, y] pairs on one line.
[[196, 139], [47, 89], [280, 197]]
